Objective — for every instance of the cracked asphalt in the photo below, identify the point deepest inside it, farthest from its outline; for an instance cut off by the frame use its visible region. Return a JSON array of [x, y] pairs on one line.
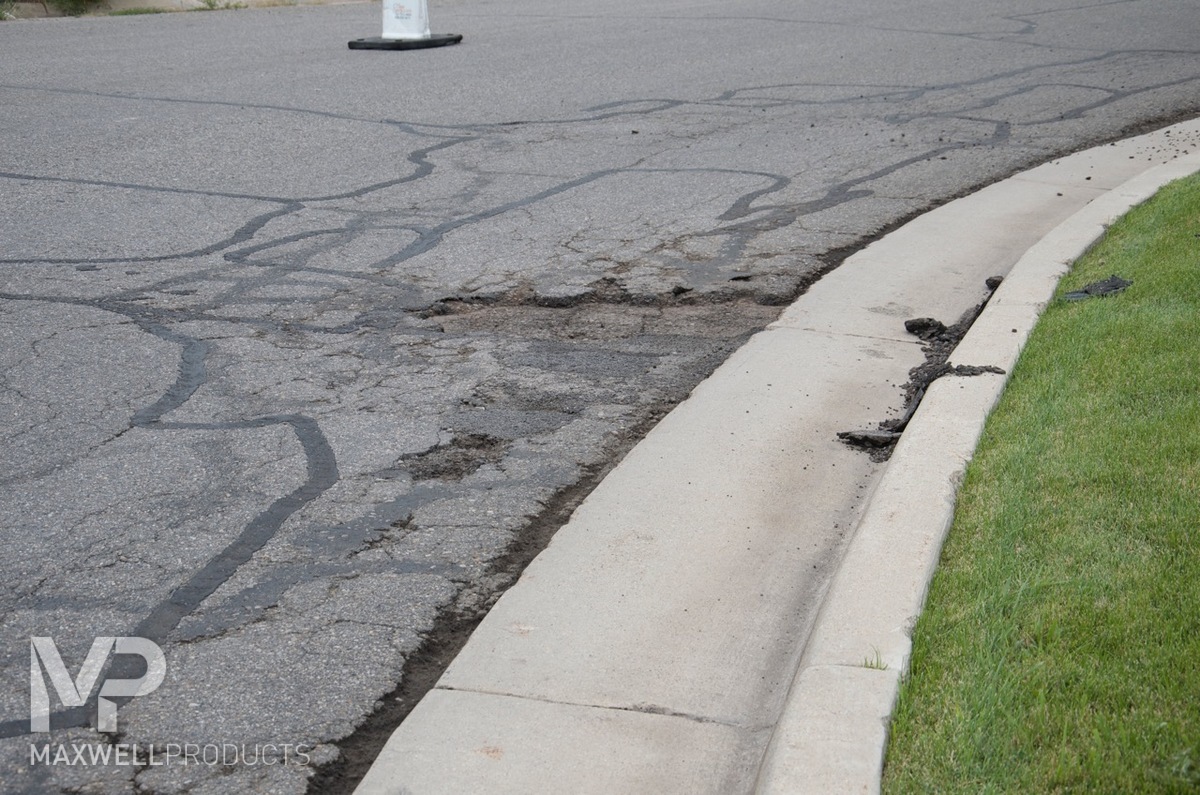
[[304, 350]]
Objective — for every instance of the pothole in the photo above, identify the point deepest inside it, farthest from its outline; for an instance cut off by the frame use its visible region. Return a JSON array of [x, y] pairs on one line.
[[461, 456]]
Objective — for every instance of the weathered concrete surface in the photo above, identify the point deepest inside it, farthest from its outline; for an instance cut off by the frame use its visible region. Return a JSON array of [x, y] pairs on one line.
[[297, 341]]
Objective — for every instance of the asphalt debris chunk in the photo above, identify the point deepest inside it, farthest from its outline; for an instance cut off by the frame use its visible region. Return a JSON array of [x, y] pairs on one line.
[[1111, 286], [940, 341]]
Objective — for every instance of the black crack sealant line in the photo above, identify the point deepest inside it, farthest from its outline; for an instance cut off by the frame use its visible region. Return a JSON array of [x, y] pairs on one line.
[[165, 617], [244, 234]]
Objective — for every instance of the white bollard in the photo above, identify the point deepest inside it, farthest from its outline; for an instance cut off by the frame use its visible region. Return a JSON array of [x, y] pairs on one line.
[[406, 27]]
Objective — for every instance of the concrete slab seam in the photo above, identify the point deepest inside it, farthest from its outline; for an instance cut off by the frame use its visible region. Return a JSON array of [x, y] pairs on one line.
[[644, 709], [914, 501]]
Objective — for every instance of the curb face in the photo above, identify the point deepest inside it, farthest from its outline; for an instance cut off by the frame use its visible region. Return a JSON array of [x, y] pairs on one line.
[[833, 733]]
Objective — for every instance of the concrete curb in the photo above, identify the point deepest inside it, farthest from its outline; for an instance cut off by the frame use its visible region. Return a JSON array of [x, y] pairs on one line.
[[730, 607], [833, 732]]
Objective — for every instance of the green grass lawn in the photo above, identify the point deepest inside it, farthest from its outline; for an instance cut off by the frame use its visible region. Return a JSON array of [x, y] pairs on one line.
[[1059, 650]]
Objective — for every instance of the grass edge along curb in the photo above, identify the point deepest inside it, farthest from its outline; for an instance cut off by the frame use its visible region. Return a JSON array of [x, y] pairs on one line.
[[1057, 649]]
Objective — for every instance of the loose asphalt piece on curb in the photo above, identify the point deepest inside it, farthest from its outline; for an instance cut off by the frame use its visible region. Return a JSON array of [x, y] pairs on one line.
[[730, 609]]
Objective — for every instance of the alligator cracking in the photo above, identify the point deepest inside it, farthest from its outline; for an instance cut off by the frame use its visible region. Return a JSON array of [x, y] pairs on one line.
[[604, 313], [361, 370]]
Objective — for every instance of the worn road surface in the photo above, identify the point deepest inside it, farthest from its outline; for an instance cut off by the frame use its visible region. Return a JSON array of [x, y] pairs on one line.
[[304, 350]]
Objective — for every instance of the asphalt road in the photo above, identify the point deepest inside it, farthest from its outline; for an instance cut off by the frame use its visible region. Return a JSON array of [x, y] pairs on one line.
[[304, 350]]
